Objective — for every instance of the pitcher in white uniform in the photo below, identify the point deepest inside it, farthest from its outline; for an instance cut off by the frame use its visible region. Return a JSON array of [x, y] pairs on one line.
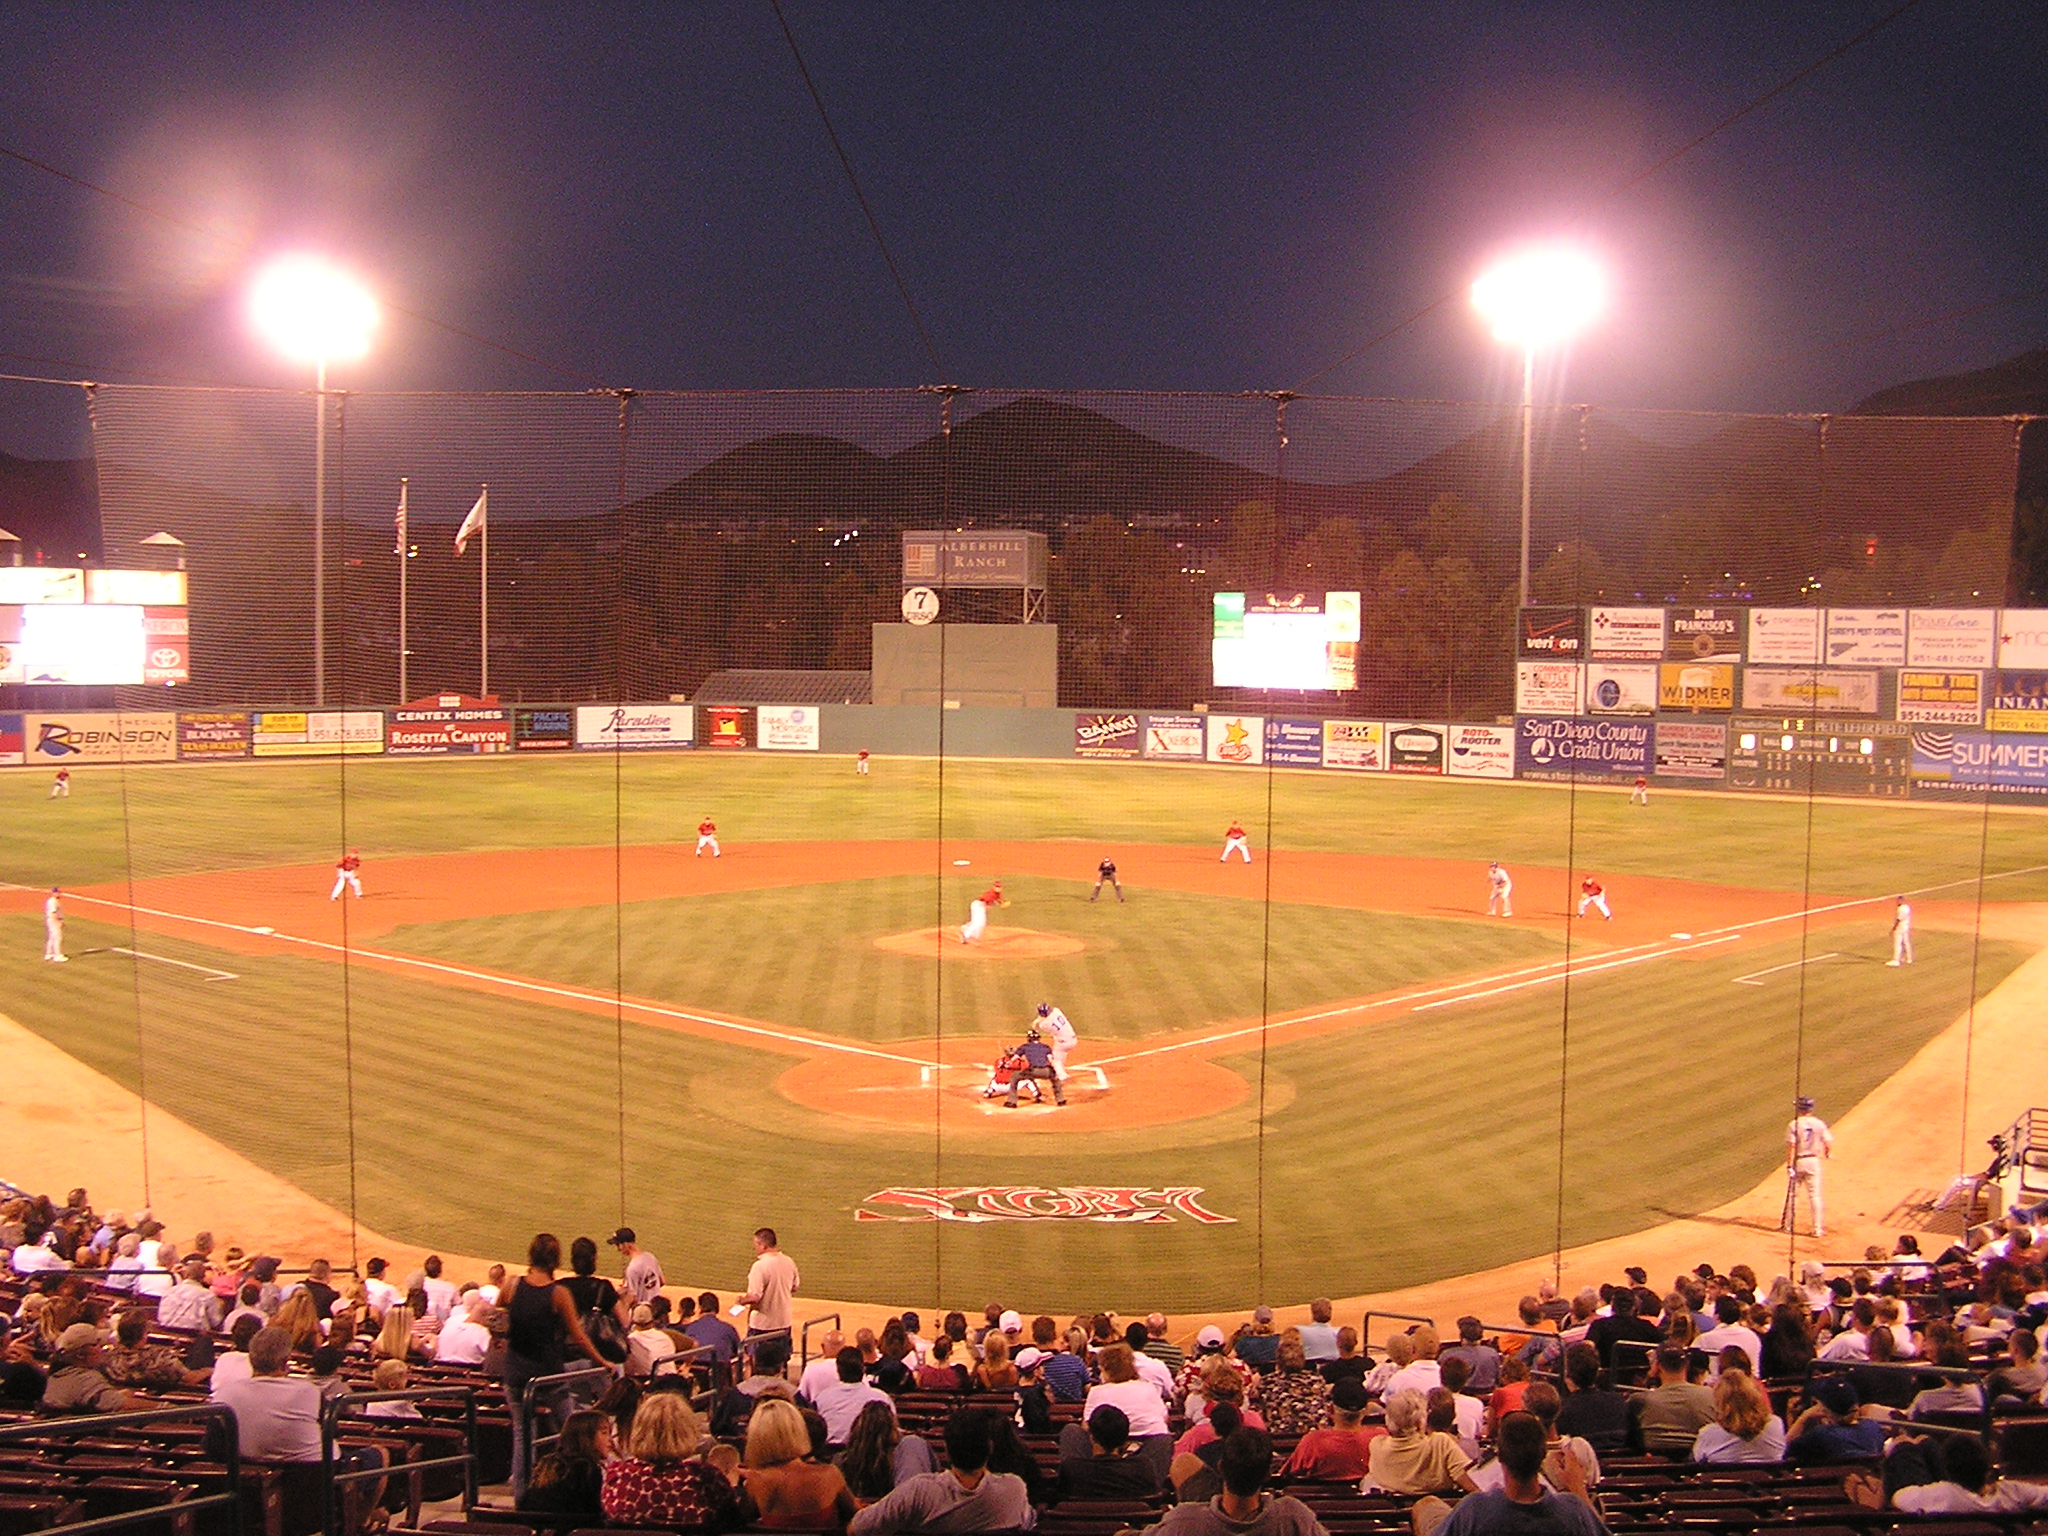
[[1055, 1023], [1902, 933], [53, 926], [1808, 1143]]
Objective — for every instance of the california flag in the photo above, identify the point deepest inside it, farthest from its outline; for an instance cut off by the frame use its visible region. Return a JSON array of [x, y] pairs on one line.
[[474, 521]]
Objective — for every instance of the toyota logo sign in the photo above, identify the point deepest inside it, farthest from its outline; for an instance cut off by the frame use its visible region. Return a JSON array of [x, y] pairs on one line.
[[167, 658]]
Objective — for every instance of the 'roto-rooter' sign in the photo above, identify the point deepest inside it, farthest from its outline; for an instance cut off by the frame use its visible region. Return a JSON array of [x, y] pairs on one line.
[[1560, 747]]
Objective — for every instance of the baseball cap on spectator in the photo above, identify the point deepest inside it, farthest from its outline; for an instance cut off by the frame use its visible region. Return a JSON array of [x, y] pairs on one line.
[[1210, 1337], [1262, 1314], [1637, 1275], [1349, 1394], [265, 1268], [1837, 1394], [1010, 1322], [77, 1336], [1028, 1359], [623, 1235], [643, 1316]]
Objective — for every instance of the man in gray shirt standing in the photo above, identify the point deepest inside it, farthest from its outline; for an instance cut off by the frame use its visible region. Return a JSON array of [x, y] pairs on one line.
[[643, 1280]]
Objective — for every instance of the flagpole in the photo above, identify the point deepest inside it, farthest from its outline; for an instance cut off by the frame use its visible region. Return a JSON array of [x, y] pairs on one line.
[[483, 528], [404, 558]]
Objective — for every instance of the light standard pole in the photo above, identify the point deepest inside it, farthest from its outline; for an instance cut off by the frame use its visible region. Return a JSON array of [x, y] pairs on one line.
[[313, 312], [1538, 297]]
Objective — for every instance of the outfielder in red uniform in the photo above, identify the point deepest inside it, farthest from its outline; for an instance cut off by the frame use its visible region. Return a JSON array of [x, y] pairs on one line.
[[1235, 839], [345, 876], [860, 761], [61, 789], [1640, 795], [977, 912], [707, 837], [1593, 894]]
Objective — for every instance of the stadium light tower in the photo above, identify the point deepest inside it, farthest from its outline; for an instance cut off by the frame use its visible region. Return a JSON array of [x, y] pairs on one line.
[[1538, 297], [313, 312]]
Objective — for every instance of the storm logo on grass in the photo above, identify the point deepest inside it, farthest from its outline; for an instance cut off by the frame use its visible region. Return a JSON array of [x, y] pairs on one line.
[[1026, 1202]]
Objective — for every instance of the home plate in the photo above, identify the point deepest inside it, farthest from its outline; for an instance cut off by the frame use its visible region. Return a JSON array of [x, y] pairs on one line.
[[959, 863], [1681, 935]]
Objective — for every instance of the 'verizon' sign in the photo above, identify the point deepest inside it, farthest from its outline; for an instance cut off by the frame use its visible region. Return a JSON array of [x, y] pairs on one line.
[[1027, 1202]]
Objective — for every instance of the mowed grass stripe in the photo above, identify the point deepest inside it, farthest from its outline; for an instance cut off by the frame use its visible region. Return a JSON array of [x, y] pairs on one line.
[[182, 819], [804, 956]]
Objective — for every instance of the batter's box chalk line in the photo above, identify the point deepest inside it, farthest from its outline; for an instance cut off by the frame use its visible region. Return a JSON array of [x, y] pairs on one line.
[[1081, 1076]]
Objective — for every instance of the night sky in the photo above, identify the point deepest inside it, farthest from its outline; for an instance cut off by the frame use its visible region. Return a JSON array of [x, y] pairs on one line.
[[1206, 197]]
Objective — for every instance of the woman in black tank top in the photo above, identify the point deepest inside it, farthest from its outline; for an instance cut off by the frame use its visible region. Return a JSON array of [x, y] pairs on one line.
[[543, 1328]]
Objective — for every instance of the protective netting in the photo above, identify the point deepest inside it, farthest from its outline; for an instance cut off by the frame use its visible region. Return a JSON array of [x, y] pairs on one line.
[[537, 1019]]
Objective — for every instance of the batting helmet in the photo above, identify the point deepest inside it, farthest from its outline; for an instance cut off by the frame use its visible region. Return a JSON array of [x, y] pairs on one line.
[[1805, 1105], [1044, 1009]]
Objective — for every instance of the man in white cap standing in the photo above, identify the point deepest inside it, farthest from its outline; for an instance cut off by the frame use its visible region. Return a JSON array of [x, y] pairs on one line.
[[53, 926], [1808, 1143], [1902, 932]]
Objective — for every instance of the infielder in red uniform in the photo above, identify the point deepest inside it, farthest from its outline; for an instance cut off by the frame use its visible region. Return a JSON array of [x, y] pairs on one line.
[[977, 912], [61, 789], [1235, 839], [1593, 894], [707, 837], [345, 876]]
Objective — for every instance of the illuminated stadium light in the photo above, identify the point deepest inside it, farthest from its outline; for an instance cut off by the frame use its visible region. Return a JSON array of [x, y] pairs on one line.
[[1541, 296], [311, 311]]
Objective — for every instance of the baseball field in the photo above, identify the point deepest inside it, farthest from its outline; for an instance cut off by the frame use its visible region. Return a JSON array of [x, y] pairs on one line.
[[1328, 1072]]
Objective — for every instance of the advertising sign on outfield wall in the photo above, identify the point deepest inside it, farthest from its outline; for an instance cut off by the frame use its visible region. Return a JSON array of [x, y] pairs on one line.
[[1687, 750], [1941, 698], [1613, 689], [1809, 691], [1415, 748], [1553, 634], [1294, 743], [11, 733], [2023, 637], [634, 727], [2018, 702], [1549, 687], [465, 728], [542, 730], [727, 725], [1698, 686], [1785, 635], [1236, 739], [1978, 760], [1107, 735], [1951, 637], [1704, 634], [213, 733], [1480, 752], [1866, 637], [321, 733], [1359, 745], [1625, 634], [1551, 748], [1174, 737], [82, 737], [786, 728]]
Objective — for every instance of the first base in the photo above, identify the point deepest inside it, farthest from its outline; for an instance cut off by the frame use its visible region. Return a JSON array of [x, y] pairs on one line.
[[959, 863]]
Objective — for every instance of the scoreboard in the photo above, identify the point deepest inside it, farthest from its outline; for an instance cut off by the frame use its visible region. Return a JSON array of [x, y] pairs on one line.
[[93, 626], [1826, 757]]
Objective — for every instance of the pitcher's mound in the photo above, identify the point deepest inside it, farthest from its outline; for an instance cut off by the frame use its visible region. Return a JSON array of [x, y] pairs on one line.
[[995, 944]]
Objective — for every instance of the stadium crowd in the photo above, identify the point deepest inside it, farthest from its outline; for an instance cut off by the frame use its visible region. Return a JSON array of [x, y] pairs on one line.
[[1893, 1371]]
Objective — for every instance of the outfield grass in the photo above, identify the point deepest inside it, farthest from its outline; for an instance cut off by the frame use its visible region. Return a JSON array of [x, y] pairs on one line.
[[1162, 960], [1419, 1146], [180, 819]]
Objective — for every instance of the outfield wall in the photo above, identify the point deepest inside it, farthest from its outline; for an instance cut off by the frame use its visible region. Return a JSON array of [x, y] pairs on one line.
[[1879, 759]]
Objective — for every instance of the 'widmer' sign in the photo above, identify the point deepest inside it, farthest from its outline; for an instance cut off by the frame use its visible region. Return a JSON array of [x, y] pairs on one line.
[[998, 558]]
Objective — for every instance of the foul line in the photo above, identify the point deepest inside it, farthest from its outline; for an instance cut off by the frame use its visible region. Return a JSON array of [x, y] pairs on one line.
[[1755, 978], [142, 954]]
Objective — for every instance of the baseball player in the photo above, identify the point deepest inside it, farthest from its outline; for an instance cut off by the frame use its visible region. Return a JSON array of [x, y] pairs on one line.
[[1500, 891], [977, 912], [1902, 933], [61, 789], [1106, 870], [53, 927], [1235, 839], [1808, 1142], [1038, 1068], [1593, 894], [1007, 1066], [1064, 1039], [707, 837], [860, 761], [1640, 795], [345, 876]]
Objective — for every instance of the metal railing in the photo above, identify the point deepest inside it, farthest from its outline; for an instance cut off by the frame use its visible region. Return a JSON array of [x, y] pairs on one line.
[[523, 1441], [346, 1407], [751, 1345], [805, 1340], [1913, 1370], [1365, 1337], [682, 1358], [231, 1458]]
